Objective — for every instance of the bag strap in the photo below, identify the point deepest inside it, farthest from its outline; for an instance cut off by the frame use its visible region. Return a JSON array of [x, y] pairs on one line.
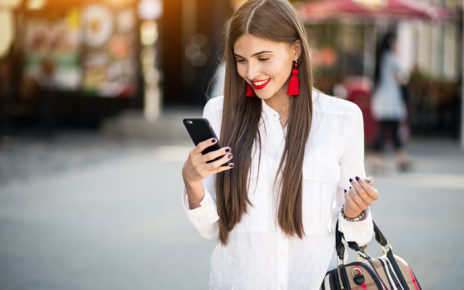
[[339, 243], [379, 237]]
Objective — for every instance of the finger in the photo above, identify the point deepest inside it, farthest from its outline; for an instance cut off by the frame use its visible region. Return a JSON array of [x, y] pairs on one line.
[[357, 200], [207, 169], [218, 163], [369, 195], [373, 193], [350, 204], [362, 188], [215, 154], [205, 144], [369, 190], [224, 168], [354, 183], [366, 198], [370, 180]]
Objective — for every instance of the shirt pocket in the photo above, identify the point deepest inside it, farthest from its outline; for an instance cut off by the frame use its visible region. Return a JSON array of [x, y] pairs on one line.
[[320, 178]]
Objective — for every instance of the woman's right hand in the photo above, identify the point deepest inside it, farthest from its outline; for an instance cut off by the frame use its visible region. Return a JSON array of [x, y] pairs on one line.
[[196, 167]]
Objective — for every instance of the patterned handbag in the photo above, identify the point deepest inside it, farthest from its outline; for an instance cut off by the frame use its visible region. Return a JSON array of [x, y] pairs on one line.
[[386, 272]]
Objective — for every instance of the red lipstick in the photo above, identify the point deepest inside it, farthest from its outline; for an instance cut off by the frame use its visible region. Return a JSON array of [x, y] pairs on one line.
[[261, 84]]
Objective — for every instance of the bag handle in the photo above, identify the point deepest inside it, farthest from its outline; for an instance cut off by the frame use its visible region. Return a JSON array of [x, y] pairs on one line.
[[339, 243], [379, 237]]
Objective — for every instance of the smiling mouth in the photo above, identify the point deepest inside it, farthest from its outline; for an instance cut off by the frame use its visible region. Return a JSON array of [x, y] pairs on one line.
[[258, 85]]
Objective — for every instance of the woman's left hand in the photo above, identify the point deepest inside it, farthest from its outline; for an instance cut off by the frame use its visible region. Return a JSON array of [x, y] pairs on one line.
[[359, 196]]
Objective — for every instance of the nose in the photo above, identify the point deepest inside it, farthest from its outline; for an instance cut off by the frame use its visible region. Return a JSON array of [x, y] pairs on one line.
[[252, 71]]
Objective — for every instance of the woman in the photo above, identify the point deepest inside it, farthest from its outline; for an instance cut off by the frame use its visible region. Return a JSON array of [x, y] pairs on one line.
[[297, 159], [388, 106]]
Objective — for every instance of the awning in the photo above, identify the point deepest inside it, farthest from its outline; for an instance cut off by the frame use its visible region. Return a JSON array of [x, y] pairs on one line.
[[370, 10]]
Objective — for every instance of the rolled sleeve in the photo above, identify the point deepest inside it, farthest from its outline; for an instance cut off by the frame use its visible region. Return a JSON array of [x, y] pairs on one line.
[[352, 158], [360, 232], [352, 165], [185, 202], [205, 217]]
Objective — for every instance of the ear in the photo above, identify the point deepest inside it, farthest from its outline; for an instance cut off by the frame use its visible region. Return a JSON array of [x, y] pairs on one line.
[[296, 49]]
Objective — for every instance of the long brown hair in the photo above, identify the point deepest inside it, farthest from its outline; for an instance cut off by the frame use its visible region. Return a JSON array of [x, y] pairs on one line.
[[275, 20]]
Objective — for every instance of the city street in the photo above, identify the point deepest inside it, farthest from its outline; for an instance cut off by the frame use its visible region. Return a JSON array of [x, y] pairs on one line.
[[92, 143], [87, 210]]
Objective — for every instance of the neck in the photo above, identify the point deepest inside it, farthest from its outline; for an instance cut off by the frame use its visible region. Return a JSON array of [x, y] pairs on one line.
[[280, 103]]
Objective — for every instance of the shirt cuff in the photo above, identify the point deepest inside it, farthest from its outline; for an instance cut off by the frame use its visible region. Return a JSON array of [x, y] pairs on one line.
[[205, 214], [360, 232], [206, 199]]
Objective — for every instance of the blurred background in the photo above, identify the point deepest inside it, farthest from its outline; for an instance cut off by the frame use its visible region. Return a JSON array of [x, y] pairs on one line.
[[92, 96]]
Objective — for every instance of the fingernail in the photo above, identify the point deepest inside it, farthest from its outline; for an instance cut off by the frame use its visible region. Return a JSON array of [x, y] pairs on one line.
[[229, 156], [227, 149], [350, 187], [231, 165], [345, 190], [213, 141], [357, 178], [351, 179], [368, 180]]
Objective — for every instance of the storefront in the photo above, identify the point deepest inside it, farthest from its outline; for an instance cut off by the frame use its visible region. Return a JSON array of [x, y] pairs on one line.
[[76, 62], [344, 35]]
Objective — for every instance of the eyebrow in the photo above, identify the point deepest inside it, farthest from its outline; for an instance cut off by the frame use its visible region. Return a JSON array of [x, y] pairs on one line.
[[255, 54]]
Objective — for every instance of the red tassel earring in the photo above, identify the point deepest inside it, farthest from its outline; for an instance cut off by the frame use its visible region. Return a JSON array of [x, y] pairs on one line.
[[294, 85], [250, 92]]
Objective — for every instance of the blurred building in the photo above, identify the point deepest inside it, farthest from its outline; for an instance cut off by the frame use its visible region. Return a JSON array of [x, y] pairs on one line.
[[76, 62], [192, 47], [431, 50]]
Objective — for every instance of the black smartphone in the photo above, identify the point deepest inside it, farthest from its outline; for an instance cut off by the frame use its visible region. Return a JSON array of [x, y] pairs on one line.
[[200, 130]]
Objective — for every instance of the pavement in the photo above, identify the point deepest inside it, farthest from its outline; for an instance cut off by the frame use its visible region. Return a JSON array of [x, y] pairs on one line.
[[101, 210]]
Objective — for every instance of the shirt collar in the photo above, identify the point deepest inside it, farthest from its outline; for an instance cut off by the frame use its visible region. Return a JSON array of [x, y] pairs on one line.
[[270, 112]]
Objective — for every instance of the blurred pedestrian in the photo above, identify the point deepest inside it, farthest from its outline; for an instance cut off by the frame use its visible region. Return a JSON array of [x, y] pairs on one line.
[[388, 104], [298, 161]]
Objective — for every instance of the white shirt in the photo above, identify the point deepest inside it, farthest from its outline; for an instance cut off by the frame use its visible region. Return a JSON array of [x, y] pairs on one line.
[[258, 255]]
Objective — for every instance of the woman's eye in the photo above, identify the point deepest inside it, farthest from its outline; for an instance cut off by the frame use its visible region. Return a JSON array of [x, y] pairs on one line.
[[239, 60], [263, 59]]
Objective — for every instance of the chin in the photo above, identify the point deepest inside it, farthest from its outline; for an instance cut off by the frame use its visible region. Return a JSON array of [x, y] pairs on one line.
[[265, 95]]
